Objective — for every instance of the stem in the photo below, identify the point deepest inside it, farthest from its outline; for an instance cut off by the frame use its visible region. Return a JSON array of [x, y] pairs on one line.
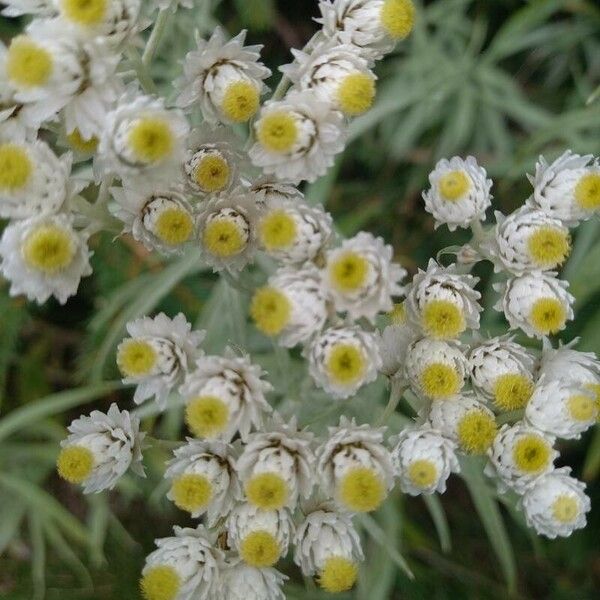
[[163, 444], [157, 32], [142, 72], [396, 392], [103, 191], [478, 231]]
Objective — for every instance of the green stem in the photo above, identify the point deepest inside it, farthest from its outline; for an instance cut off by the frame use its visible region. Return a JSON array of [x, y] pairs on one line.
[[156, 35], [396, 392], [162, 444], [145, 80]]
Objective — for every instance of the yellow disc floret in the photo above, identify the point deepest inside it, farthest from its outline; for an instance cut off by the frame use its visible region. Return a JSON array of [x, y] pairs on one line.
[[136, 358], [587, 191], [565, 508], [361, 489], [338, 574], [267, 491], [531, 453], [240, 101], [75, 463], [151, 139], [397, 18], [512, 391], [346, 364], [174, 226], [15, 167], [355, 93], [207, 416], [160, 583], [277, 131], [423, 473], [440, 381], [582, 407], [476, 431], [212, 173], [223, 237], [48, 249], [81, 144], [260, 549], [28, 65], [277, 230], [84, 12], [271, 310], [192, 492], [549, 246], [443, 320], [454, 185], [349, 271], [548, 315]]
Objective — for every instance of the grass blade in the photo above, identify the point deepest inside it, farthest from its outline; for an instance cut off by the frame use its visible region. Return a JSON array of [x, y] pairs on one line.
[[438, 516]]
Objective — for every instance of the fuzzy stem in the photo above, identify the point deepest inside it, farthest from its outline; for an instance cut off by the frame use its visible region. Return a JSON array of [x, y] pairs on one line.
[[156, 35], [396, 392]]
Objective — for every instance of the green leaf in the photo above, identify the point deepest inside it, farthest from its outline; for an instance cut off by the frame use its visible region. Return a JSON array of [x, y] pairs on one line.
[[64, 551], [438, 516], [591, 466]]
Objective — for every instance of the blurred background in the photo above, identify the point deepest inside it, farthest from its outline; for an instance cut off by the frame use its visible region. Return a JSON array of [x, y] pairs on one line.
[[505, 81]]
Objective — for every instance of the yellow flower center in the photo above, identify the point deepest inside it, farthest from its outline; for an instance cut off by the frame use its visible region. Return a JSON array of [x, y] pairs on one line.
[[476, 431], [277, 132], [277, 230], [398, 314], [271, 310], [151, 139], [84, 12], [77, 142], [346, 364], [28, 64], [212, 173], [260, 549], [440, 381], [160, 583], [136, 358], [423, 473], [49, 249], [240, 101], [223, 237], [338, 574], [397, 18], [75, 463], [267, 491], [361, 489], [582, 407], [443, 320], [192, 492], [454, 185], [355, 93], [565, 508], [349, 271], [548, 315], [207, 416], [549, 246], [587, 191], [512, 391], [15, 167], [174, 226], [531, 453]]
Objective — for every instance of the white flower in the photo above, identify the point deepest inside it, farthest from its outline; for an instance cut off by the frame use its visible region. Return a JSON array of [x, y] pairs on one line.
[[203, 479], [394, 342], [328, 545], [292, 306], [538, 303], [261, 537], [354, 466], [277, 465], [519, 455], [424, 459], [336, 74], [528, 240], [142, 138], [100, 448], [183, 567], [443, 302], [224, 395], [562, 408], [157, 355], [290, 230], [297, 137], [157, 216], [373, 26], [568, 188], [556, 504], [459, 193], [227, 230], [44, 256], [241, 582], [16, 8], [361, 277], [343, 359], [502, 371], [436, 369], [224, 77]]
